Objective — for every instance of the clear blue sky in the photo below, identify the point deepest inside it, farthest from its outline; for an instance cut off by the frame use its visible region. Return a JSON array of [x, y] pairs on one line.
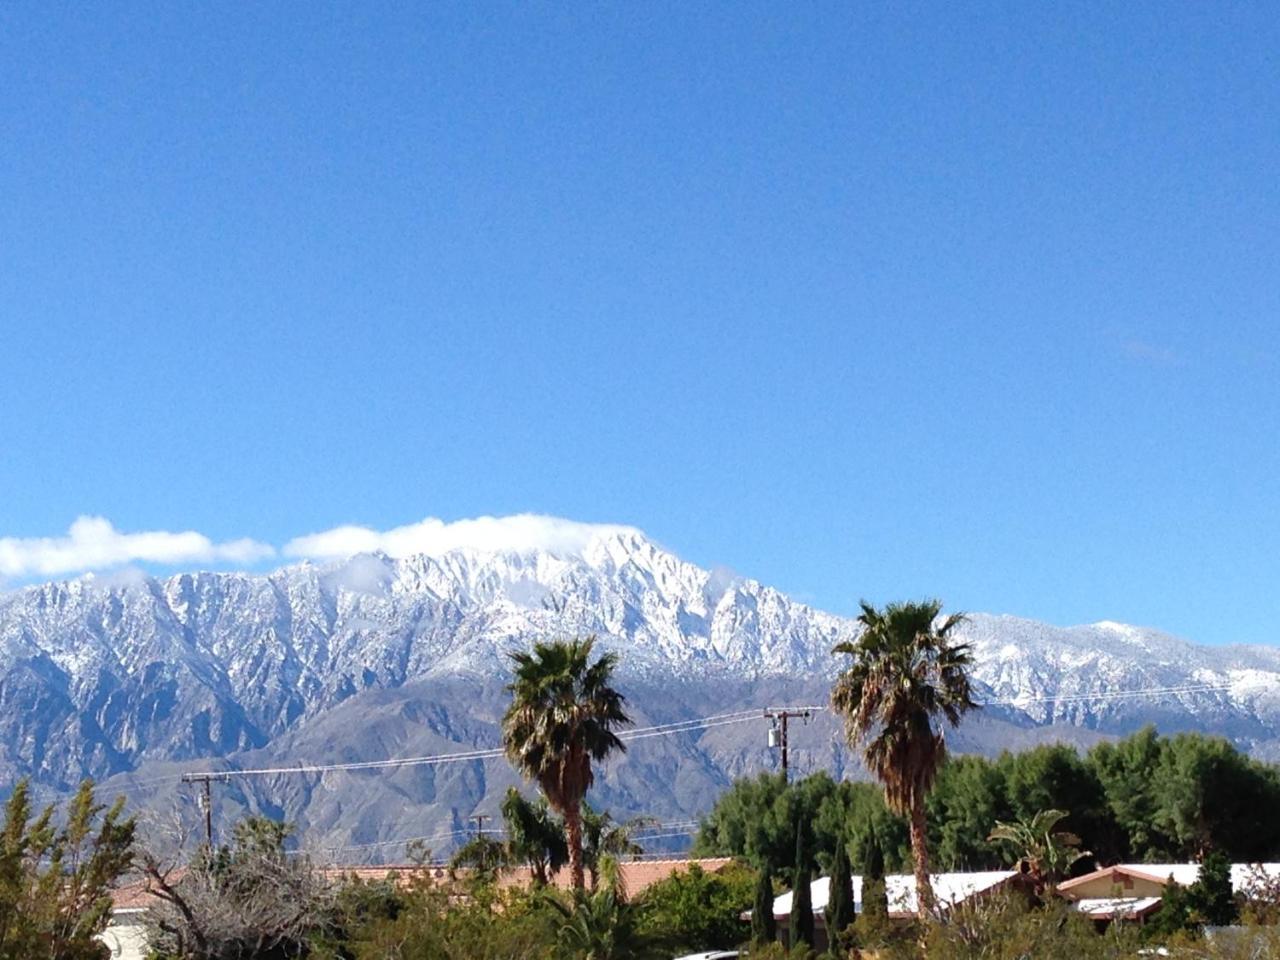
[[970, 300]]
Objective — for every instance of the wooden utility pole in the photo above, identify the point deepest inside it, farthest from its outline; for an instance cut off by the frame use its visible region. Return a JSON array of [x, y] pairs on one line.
[[205, 799], [480, 818], [779, 716]]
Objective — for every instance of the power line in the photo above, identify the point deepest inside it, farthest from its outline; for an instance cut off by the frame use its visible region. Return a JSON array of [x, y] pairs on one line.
[[666, 729]]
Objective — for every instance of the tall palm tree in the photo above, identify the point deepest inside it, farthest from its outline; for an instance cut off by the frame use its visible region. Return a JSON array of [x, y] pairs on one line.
[[562, 717], [907, 675]]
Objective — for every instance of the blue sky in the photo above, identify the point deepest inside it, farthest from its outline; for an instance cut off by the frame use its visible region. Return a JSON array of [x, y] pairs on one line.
[[976, 300]]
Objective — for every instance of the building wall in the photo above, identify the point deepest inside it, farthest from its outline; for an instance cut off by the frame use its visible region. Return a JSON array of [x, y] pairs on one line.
[[1112, 885], [126, 941]]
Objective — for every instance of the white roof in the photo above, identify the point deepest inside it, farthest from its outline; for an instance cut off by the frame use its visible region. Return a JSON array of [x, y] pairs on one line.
[[1185, 874], [1115, 907], [948, 889]]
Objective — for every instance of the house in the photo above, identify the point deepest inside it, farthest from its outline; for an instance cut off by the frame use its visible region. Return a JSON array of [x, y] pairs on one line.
[[1133, 891], [126, 936], [634, 876], [949, 889]]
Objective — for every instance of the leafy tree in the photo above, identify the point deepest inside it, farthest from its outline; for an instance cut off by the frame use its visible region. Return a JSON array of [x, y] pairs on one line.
[[535, 836], [801, 895], [906, 677], [563, 716], [764, 929], [483, 855], [1047, 852], [756, 818], [839, 913], [432, 923], [1209, 796], [55, 882], [967, 798], [1125, 771], [698, 910], [1055, 776]]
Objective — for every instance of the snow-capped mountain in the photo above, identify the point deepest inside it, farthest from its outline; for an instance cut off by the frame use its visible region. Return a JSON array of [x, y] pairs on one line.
[[372, 657]]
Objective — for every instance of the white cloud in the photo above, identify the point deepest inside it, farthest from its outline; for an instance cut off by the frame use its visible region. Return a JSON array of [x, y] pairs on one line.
[[92, 543], [521, 533]]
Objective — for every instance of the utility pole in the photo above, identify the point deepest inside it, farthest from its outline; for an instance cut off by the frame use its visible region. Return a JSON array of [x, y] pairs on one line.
[[480, 818], [205, 799], [778, 733]]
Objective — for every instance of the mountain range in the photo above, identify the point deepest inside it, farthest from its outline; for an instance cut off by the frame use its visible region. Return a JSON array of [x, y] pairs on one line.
[[135, 679]]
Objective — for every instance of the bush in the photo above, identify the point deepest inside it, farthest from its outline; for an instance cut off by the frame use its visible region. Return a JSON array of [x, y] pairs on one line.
[[699, 910]]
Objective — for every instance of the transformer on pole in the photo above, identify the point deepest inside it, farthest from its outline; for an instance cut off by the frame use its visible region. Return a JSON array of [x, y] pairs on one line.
[[778, 716]]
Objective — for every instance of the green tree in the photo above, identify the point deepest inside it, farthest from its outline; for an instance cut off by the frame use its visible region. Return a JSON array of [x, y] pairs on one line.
[[801, 895], [875, 896], [1209, 796], [1211, 898], [562, 718], [1047, 852], [967, 798], [764, 928], [1174, 914], [907, 676], [756, 818], [55, 882], [535, 836], [1126, 771], [700, 910], [483, 855], [839, 914], [1055, 776]]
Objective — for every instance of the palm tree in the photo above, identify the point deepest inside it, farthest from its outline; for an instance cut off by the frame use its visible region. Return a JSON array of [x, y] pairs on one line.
[[1047, 852], [535, 836], [562, 717], [602, 836], [906, 676], [605, 925]]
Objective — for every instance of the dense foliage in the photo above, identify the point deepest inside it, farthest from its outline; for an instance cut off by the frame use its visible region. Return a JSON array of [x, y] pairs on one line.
[[696, 910], [56, 877], [1144, 798]]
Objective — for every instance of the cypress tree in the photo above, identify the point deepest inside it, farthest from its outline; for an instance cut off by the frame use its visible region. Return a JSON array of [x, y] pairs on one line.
[[1211, 897], [801, 896], [840, 909], [764, 930], [875, 898]]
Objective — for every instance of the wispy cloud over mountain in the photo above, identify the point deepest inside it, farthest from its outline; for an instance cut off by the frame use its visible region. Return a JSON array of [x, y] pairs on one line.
[[93, 543]]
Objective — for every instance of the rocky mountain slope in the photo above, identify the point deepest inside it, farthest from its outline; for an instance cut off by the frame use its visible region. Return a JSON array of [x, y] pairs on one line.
[[371, 657]]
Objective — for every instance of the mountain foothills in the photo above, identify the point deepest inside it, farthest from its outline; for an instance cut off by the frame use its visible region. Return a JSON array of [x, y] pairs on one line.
[[134, 680]]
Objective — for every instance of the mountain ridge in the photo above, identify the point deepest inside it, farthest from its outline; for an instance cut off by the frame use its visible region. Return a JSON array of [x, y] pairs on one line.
[[120, 677]]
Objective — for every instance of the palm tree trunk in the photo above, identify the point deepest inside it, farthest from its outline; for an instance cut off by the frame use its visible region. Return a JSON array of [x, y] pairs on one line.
[[573, 833], [920, 853]]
